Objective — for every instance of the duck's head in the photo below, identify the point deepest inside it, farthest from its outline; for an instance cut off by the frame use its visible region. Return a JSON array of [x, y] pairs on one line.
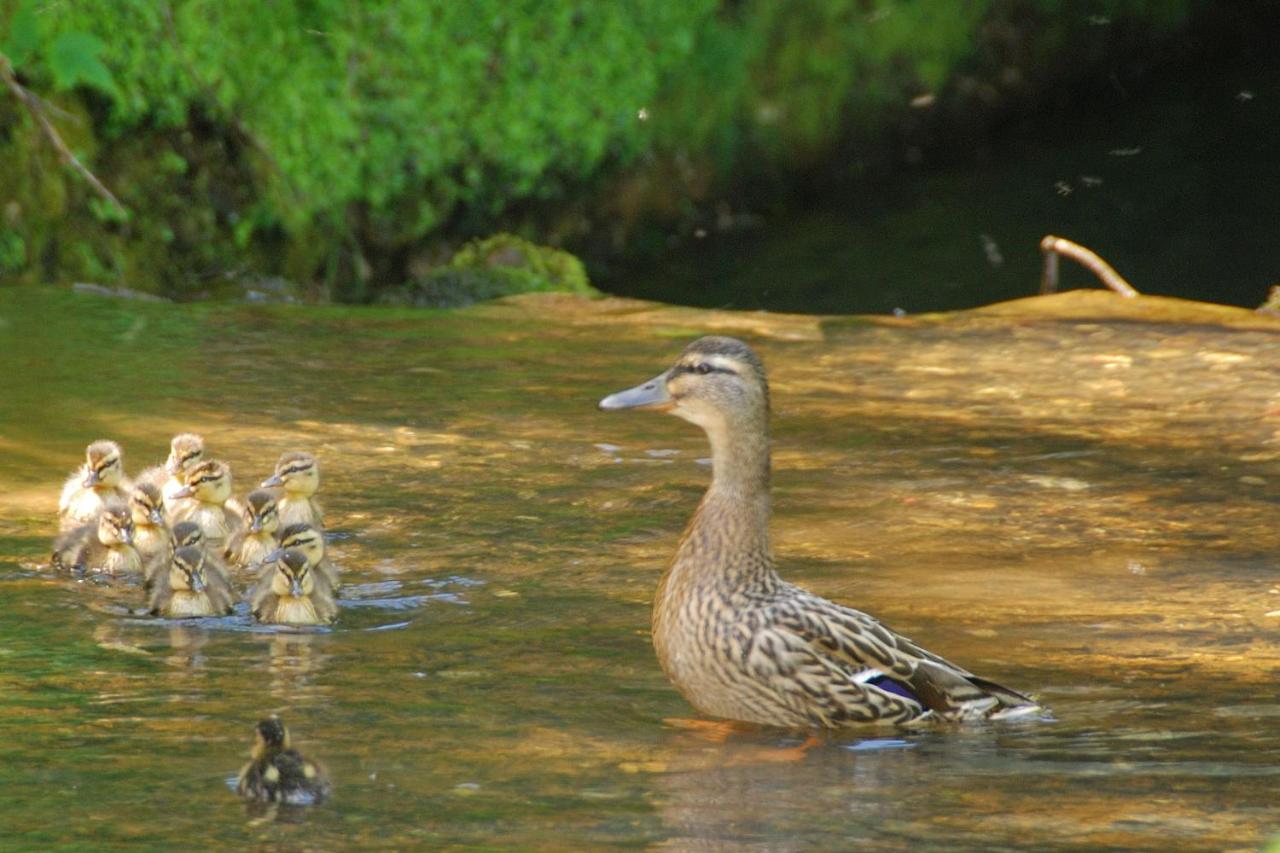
[[303, 538], [186, 451], [716, 382], [188, 534], [296, 472], [269, 736], [208, 482], [104, 465], [186, 572], [293, 575], [260, 512], [115, 525], [146, 505]]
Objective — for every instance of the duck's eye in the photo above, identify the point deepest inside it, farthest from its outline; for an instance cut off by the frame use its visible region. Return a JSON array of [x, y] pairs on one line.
[[703, 368]]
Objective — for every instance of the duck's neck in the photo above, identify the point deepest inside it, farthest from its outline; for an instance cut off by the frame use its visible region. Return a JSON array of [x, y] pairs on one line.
[[727, 541]]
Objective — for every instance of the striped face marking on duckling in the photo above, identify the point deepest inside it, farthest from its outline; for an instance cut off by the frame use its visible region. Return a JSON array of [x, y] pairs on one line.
[[293, 577], [186, 451], [103, 465], [296, 472], [115, 525], [146, 505], [188, 534], [187, 571], [208, 482], [260, 514], [714, 379]]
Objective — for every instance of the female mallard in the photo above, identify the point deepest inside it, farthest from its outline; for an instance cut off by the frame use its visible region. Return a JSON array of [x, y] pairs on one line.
[[278, 773], [737, 640]]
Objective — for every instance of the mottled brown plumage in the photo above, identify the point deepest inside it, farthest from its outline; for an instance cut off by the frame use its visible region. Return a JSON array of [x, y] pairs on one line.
[[737, 640], [277, 773]]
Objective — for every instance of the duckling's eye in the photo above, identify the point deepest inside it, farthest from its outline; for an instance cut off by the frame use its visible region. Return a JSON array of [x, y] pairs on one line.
[[703, 369]]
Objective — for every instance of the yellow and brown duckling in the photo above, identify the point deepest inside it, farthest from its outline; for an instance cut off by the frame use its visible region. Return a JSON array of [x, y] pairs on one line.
[[187, 534], [278, 773], [187, 591], [209, 485], [297, 476], [186, 451], [737, 640], [310, 541], [256, 537], [291, 593], [103, 545], [92, 485], [151, 535]]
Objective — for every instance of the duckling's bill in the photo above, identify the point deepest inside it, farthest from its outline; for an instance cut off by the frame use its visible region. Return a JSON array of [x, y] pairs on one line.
[[647, 395]]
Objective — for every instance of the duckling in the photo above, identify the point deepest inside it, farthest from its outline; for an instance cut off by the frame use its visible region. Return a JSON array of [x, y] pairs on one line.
[[104, 545], [278, 773], [88, 489], [186, 451], [310, 541], [737, 640], [187, 534], [256, 536], [150, 535], [186, 590], [209, 483], [298, 474], [292, 594]]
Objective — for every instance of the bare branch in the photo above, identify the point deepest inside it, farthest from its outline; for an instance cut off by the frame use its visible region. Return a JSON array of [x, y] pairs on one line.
[[1052, 247], [36, 107]]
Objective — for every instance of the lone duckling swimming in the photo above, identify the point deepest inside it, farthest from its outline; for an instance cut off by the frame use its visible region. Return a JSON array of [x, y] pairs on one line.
[[737, 640], [92, 485], [298, 476], [150, 534], [103, 545], [209, 483], [290, 593], [256, 537], [187, 591], [278, 773]]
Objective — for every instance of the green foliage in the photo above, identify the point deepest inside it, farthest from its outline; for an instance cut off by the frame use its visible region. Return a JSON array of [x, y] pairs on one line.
[[324, 140], [497, 266]]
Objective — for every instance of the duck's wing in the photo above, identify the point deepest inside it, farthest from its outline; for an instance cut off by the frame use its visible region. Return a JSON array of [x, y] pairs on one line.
[[872, 654]]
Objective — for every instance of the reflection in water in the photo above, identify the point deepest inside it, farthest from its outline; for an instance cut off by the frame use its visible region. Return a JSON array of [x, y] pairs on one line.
[[1084, 506]]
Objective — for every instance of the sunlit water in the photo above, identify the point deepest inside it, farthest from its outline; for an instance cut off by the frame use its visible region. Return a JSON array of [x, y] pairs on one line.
[[1081, 508]]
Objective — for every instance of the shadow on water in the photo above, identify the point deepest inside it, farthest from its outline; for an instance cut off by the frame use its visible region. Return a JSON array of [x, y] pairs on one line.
[[1082, 507], [1177, 185]]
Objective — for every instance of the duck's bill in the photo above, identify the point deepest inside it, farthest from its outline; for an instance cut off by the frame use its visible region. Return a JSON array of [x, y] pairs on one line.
[[157, 517], [184, 492], [648, 395], [90, 480], [272, 481], [273, 556]]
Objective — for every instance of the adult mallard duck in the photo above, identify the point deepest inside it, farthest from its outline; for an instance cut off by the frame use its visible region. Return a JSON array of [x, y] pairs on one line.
[[297, 475], [737, 640], [277, 773]]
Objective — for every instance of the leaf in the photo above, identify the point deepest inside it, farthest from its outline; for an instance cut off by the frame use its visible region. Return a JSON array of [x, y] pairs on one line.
[[24, 35], [73, 61]]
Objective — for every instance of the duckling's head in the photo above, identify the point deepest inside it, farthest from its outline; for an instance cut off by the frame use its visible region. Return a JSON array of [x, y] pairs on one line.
[[293, 575], [186, 451], [260, 512], [115, 525], [208, 482], [146, 505], [269, 736], [716, 383], [188, 534], [303, 538], [186, 572], [296, 472], [104, 465]]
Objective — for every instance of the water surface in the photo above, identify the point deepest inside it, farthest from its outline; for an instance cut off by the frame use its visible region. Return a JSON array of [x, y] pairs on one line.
[[1081, 507]]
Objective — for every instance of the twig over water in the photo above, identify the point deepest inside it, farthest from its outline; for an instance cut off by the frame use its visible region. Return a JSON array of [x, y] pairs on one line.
[[1052, 247]]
